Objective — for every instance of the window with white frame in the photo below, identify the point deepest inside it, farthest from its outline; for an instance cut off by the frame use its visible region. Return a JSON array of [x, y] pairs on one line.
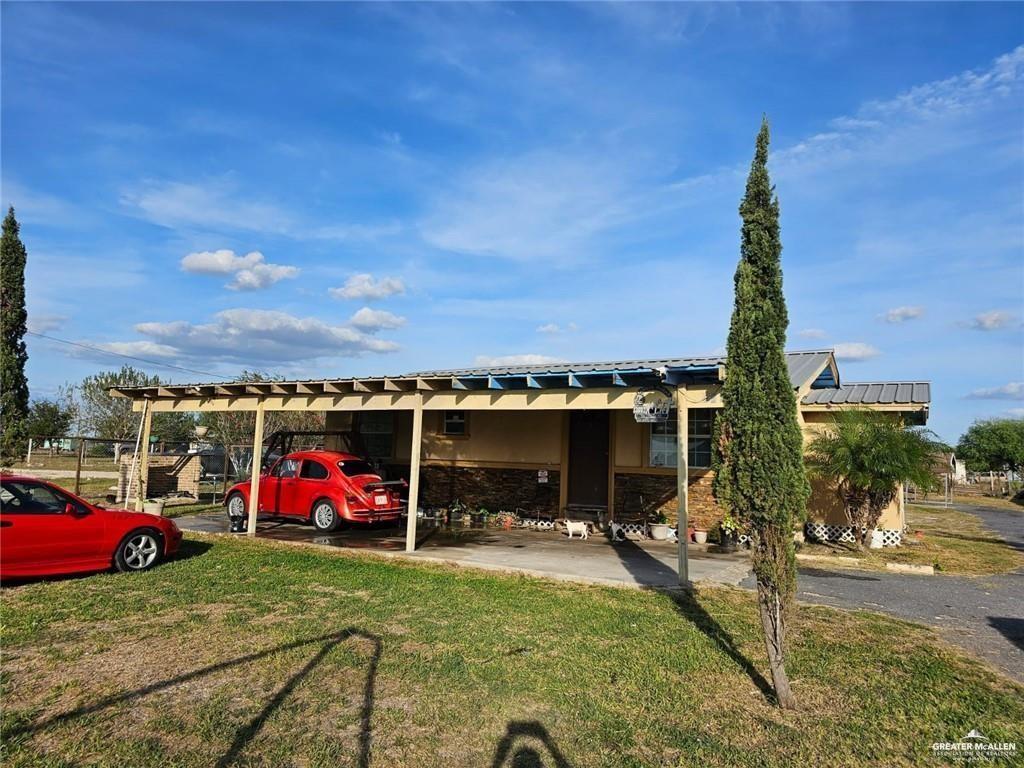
[[454, 423], [701, 424]]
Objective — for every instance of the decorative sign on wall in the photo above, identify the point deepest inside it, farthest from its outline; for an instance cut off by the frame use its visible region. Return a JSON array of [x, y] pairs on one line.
[[542, 475], [651, 407]]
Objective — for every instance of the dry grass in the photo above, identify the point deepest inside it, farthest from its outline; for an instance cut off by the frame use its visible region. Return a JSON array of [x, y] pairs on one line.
[[248, 653], [952, 541]]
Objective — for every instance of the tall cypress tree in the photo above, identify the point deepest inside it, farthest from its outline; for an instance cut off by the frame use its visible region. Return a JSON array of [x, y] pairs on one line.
[[759, 466], [13, 355]]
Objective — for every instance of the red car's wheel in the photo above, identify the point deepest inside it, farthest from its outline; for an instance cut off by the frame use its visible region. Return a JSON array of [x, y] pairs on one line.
[[325, 517], [138, 551]]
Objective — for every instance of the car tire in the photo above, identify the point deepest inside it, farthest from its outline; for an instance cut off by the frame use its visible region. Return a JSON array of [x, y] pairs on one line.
[[237, 513], [325, 517], [139, 551]]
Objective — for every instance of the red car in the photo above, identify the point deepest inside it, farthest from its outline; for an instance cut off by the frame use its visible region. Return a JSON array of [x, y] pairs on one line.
[[45, 531], [328, 488]]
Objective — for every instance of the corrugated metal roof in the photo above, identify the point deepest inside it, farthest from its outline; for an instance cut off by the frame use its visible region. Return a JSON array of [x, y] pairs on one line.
[[801, 366], [873, 393]]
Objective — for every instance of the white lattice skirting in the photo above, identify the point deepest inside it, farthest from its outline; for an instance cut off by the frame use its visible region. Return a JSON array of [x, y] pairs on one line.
[[826, 532]]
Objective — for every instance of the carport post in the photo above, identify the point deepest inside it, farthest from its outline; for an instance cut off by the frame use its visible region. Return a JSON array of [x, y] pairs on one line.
[[257, 464], [414, 474], [682, 483], [143, 448]]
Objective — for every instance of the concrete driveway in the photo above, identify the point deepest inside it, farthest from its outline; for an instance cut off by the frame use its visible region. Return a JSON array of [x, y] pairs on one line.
[[550, 554], [983, 614]]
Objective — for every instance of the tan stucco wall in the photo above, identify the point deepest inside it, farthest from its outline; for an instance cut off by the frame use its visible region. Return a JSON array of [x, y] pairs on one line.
[[513, 437], [629, 440]]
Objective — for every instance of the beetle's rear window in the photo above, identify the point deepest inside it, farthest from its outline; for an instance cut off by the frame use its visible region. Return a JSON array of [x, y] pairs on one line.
[[354, 467]]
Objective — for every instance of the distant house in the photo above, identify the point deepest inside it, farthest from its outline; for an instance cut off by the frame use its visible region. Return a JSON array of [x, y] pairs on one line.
[[583, 440]]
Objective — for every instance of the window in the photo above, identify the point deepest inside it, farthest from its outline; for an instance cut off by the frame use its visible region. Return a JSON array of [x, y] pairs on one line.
[[701, 424], [313, 470], [32, 499], [376, 428], [701, 427], [286, 468], [454, 423], [356, 467]]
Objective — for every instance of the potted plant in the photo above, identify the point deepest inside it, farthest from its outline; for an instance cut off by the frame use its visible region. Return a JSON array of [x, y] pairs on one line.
[[729, 533], [659, 528], [456, 511], [700, 535]]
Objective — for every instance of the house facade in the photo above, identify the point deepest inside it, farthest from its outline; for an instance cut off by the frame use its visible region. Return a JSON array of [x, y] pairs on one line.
[[570, 440]]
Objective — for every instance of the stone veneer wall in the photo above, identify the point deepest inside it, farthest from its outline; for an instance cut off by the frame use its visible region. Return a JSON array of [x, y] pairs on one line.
[[659, 494], [491, 488], [167, 474]]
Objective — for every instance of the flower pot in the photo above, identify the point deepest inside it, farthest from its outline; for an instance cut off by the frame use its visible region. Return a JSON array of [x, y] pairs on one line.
[[876, 538], [727, 541], [699, 536], [659, 531], [153, 507], [689, 533]]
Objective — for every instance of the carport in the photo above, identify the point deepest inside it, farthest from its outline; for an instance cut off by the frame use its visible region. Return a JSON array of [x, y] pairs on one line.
[[634, 386]]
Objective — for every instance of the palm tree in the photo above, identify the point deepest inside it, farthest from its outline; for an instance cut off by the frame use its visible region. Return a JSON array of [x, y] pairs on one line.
[[869, 456]]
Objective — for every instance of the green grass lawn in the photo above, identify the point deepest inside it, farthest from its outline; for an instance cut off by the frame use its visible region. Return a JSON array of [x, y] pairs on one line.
[[952, 541], [249, 653]]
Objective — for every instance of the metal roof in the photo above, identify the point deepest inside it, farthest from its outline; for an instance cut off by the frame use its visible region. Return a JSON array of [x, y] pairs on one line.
[[801, 366], [873, 393]]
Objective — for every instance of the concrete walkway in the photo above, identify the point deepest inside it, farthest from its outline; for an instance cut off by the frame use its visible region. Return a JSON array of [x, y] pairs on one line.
[[647, 564], [983, 614]]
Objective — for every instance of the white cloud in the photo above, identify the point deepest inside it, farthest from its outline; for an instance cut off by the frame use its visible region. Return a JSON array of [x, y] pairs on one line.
[[222, 262], [42, 323], [555, 328], [1012, 391], [209, 205], [372, 320], [901, 314], [138, 348], [811, 333], [994, 320], [365, 287], [250, 336], [250, 271], [486, 361], [538, 207], [1015, 413], [855, 351]]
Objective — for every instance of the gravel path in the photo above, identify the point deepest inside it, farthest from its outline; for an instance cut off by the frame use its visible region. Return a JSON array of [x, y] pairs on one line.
[[983, 614]]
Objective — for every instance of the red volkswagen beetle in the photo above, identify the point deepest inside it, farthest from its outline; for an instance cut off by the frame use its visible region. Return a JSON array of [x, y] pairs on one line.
[[328, 488], [45, 531]]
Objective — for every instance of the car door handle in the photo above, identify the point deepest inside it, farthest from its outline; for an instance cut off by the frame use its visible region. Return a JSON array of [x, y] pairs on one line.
[[6, 523]]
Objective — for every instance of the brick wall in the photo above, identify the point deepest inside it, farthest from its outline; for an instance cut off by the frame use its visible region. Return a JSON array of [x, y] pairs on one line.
[[491, 488], [659, 494], [167, 474]]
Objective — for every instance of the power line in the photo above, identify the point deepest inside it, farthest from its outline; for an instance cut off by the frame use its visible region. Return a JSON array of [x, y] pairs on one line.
[[102, 351]]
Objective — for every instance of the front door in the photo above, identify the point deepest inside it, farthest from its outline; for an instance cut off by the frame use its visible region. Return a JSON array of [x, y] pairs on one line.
[[588, 458]]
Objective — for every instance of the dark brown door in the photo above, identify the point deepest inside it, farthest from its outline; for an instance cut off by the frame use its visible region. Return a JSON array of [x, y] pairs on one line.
[[588, 458]]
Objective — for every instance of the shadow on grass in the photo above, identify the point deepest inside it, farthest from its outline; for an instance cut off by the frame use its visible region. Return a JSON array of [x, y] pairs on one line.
[[190, 548], [248, 732], [1010, 628], [527, 744], [644, 567]]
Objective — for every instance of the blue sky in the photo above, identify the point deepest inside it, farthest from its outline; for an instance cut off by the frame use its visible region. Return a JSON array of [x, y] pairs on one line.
[[331, 189]]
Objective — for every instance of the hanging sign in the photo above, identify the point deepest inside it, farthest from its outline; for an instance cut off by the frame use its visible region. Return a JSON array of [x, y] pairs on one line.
[[651, 407]]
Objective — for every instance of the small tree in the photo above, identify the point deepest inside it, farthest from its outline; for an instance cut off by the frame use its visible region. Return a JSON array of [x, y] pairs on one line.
[[869, 456], [758, 460], [13, 354], [52, 418], [112, 418], [995, 445]]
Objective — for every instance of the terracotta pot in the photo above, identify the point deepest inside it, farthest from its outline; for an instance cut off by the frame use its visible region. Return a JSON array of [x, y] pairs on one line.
[[689, 533]]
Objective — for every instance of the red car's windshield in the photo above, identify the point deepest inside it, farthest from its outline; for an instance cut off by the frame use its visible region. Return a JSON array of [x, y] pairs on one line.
[[354, 467]]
